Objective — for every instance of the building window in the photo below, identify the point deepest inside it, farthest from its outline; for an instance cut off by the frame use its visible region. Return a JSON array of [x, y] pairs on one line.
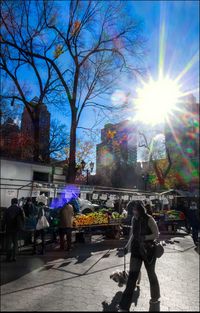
[[39, 176]]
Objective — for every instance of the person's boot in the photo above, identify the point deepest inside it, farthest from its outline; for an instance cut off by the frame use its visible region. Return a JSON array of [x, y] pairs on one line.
[[154, 306], [121, 310]]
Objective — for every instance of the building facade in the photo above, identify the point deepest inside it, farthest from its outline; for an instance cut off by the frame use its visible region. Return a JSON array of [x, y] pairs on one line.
[[9, 139], [118, 145], [182, 140]]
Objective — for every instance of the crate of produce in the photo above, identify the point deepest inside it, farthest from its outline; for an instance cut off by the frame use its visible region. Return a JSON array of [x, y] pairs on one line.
[[95, 218], [115, 221]]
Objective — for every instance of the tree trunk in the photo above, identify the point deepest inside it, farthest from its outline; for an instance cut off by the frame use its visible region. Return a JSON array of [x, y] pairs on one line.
[[72, 153], [159, 174]]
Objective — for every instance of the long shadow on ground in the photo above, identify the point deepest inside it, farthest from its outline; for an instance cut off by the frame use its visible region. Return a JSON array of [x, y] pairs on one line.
[[28, 263]]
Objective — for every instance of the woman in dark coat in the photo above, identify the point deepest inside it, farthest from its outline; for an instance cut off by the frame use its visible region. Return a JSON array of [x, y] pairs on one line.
[[144, 232]]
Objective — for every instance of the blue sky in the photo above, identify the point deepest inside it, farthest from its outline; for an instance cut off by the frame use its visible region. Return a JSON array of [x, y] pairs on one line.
[[179, 21], [181, 37]]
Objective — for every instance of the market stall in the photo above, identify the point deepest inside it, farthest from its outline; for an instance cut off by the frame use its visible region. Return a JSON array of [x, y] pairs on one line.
[[169, 221], [93, 223]]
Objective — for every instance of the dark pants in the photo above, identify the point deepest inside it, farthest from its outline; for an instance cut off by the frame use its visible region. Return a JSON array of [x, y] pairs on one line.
[[68, 232], [39, 233], [195, 234], [11, 245], [135, 266]]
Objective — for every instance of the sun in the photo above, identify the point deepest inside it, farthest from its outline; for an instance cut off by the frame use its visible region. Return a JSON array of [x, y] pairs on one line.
[[156, 100]]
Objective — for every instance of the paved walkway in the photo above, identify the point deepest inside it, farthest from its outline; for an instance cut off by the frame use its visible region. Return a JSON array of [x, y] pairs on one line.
[[80, 281]]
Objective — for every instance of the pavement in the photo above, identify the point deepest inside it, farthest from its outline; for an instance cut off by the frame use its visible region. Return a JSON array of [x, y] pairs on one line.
[[80, 280]]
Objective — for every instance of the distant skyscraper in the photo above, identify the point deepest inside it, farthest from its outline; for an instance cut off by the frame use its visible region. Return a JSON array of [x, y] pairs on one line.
[[119, 145], [182, 129], [27, 128], [9, 139], [182, 138]]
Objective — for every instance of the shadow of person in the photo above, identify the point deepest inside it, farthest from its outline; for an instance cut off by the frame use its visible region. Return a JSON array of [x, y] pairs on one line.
[[112, 307], [197, 249]]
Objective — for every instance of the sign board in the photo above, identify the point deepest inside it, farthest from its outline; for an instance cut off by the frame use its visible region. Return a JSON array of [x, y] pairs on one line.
[[87, 189], [112, 197], [171, 197], [95, 196], [152, 197], [83, 195], [68, 195], [52, 193], [142, 198], [125, 197], [11, 193], [103, 196], [165, 201], [134, 198]]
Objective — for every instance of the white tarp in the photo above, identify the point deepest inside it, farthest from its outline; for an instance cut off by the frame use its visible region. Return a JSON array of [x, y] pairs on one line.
[[11, 193]]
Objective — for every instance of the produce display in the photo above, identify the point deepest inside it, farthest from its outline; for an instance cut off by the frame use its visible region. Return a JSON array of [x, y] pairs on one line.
[[96, 218], [116, 215], [171, 215], [174, 215]]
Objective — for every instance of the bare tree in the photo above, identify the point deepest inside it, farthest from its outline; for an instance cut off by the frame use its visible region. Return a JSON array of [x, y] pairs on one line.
[[59, 140], [155, 151], [88, 49], [24, 74]]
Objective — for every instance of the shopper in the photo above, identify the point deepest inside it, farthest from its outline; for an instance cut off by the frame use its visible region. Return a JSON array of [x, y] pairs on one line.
[[141, 244], [148, 208], [29, 208], [13, 221], [66, 224], [40, 232], [193, 216], [76, 206]]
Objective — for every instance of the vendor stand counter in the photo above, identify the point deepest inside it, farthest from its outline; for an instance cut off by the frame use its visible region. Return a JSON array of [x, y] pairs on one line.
[[111, 230], [168, 225]]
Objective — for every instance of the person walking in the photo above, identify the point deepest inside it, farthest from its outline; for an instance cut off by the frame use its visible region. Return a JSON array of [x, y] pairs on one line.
[[13, 221], [193, 216], [141, 245], [66, 224]]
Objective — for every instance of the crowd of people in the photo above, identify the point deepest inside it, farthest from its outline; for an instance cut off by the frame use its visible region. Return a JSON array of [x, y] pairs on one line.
[[142, 243], [34, 215]]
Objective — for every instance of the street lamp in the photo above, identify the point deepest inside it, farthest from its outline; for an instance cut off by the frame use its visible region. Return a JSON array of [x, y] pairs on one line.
[[83, 164]]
